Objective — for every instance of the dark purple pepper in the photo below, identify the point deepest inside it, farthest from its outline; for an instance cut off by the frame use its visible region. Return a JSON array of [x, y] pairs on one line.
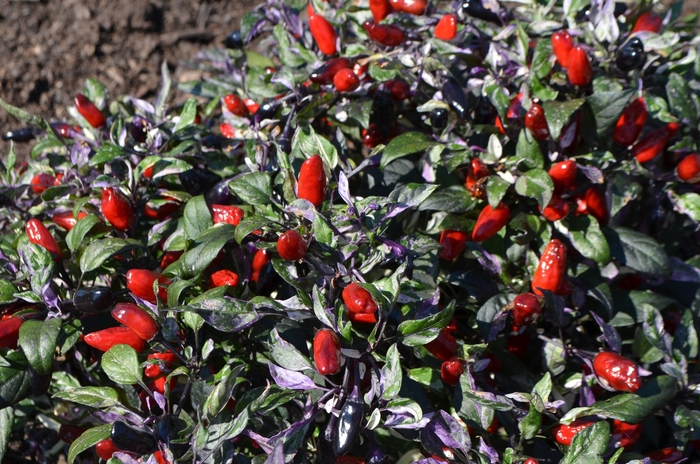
[[454, 96], [324, 74], [197, 181], [631, 55], [128, 438], [350, 420], [234, 40], [267, 110], [383, 112], [93, 300], [476, 9], [220, 194], [438, 119], [21, 135]]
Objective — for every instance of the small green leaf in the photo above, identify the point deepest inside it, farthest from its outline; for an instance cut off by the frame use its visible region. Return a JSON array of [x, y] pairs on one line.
[[558, 113], [679, 99], [540, 58], [536, 184], [607, 108], [88, 439], [453, 199], [391, 373], [586, 236], [75, 236], [187, 115], [121, 364], [98, 251], [496, 188], [38, 341], [197, 217], [248, 224], [96, 397], [528, 151], [638, 251], [404, 145], [219, 396], [254, 188]]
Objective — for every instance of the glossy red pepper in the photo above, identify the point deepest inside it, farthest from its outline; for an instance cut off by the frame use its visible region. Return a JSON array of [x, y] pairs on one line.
[[444, 346], [9, 331], [311, 184], [654, 143], [564, 434], [631, 123], [688, 170], [117, 209], [169, 257], [160, 459], [551, 270], [399, 89], [361, 306], [594, 203], [557, 209], [346, 80], [490, 221], [625, 435], [526, 309], [251, 105], [666, 455], [563, 175], [531, 461], [223, 277], [227, 214], [371, 137], [105, 339], [414, 7], [140, 283], [453, 243], [451, 370], [137, 319], [477, 171], [105, 449], [380, 9], [158, 385], [323, 33], [42, 181], [617, 372], [536, 122], [446, 28], [261, 258], [648, 22], [66, 219], [156, 370], [580, 71], [327, 352], [291, 246], [40, 235], [391, 36], [236, 105], [89, 111], [562, 44], [324, 74], [227, 130]]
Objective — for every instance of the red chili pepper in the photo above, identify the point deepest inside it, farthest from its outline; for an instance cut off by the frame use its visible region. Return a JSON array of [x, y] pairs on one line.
[[625, 435], [155, 370], [227, 130], [105, 449], [349, 460], [443, 347], [557, 209], [617, 372], [654, 143], [42, 181], [311, 184], [324, 74], [380, 9], [414, 7], [451, 370], [551, 271], [360, 303], [140, 283], [261, 258], [327, 352], [391, 36], [371, 137], [291, 246], [490, 221], [536, 122], [594, 204], [69, 433], [688, 169], [515, 106], [360, 69], [89, 111], [117, 209], [563, 175], [499, 125], [223, 277], [148, 172], [160, 459], [453, 243], [137, 319], [227, 214], [446, 28], [562, 44], [323, 33], [580, 71], [564, 434], [531, 461], [9, 331], [477, 171], [666, 455], [158, 385], [518, 343], [169, 257], [66, 219], [251, 105], [236, 105], [40, 235], [399, 89], [631, 123], [105, 339], [346, 80], [526, 309], [648, 22]]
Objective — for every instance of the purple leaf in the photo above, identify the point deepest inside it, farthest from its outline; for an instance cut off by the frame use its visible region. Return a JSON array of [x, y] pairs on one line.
[[277, 454], [79, 154], [612, 337], [488, 451], [444, 431], [290, 379]]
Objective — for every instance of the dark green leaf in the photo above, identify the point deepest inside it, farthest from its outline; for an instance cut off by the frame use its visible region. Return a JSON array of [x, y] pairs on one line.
[[121, 364], [638, 251], [75, 236], [607, 108], [391, 373], [98, 251], [221, 394], [540, 58], [95, 397], [558, 114], [88, 439], [403, 145], [187, 115], [436, 321], [197, 217], [38, 341], [679, 99], [254, 188], [248, 224], [589, 445], [454, 199], [204, 250], [106, 153], [7, 417], [496, 189], [528, 151], [14, 380], [584, 233], [536, 184]]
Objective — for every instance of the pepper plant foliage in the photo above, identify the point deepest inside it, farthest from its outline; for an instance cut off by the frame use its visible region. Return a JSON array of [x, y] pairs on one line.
[[430, 358]]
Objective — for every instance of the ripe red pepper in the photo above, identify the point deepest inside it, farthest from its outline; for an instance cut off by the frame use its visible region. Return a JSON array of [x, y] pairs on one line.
[[156, 370], [453, 243], [140, 283], [105, 449], [42, 181], [625, 435], [137, 319], [251, 105], [667, 455], [617, 372], [688, 170], [451, 370], [261, 258], [324, 34], [391, 36], [66, 219], [580, 71], [346, 80], [490, 221], [536, 122], [226, 214], [117, 209], [551, 270], [380, 9], [223, 277], [9, 331], [594, 204], [631, 123], [160, 459], [349, 460], [324, 74], [477, 171], [327, 352], [563, 175], [518, 342], [562, 44], [169, 257], [399, 89], [311, 184], [515, 106], [446, 28], [414, 7], [227, 130], [291, 246], [648, 22], [40, 235], [236, 105], [526, 309], [443, 347], [361, 306], [531, 461], [654, 143], [158, 385], [564, 434], [557, 209], [371, 137], [105, 339], [89, 111]]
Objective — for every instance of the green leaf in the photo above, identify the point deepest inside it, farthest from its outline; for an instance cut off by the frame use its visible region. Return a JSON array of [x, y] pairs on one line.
[[14, 380], [121, 364], [254, 188], [528, 151], [436, 321], [7, 292], [98, 251], [558, 114], [7, 417], [28, 118], [197, 217], [685, 339], [496, 188], [589, 445], [219, 396], [248, 224], [586, 236], [106, 153], [679, 99], [88, 439], [187, 115], [391, 373], [607, 108], [309, 143], [403, 145], [322, 231], [204, 250], [530, 424], [411, 195], [96, 397], [536, 184], [75, 236], [689, 203], [38, 341], [453, 199], [638, 251], [540, 58]]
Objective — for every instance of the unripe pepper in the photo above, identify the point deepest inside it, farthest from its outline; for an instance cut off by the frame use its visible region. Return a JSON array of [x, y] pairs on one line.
[[236, 105], [453, 243], [414, 7], [291, 246], [563, 175], [327, 352], [490, 221], [324, 74], [564, 434], [105, 449], [311, 184], [617, 372], [105, 339], [349, 423], [361, 306], [648, 22], [9, 331], [688, 170], [223, 277], [40, 235], [67, 219], [562, 44], [40, 182], [21, 135], [654, 143], [391, 36], [380, 9], [443, 347], [92, 299], [551, 270], [536, 122], [324, 34], [625, 435], [446, 28], [89, 111], [155, 370], [526, 309], [137, 319], [580, 71], [438, 118], [557, 209], [451, 370], [453, 94], [117, 209], [226, 214], [140, 283], [631, 123]]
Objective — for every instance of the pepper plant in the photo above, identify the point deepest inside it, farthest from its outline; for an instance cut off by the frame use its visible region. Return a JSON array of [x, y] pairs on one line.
[[377, 231]]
